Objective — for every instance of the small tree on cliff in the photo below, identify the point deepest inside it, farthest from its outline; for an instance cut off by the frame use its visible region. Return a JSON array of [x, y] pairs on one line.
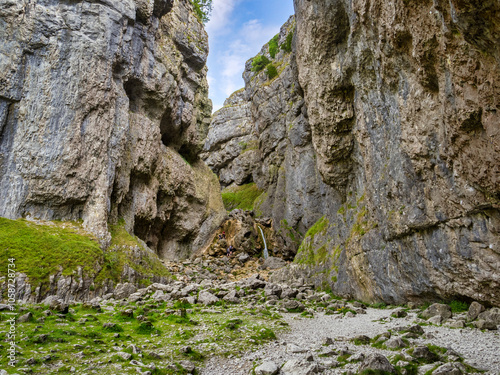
[[202, 8]]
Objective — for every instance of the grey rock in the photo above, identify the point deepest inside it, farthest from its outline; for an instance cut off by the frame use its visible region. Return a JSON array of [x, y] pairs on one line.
[[395, 343], [25, 318], [475, 309], [126, 356], [273, 290], [207, 298], [399, 313], [125, 111], [267, 368], [423, 352], [492, 315], [376, 361], [244, 257], [299, 367], [294, 305], [485, 324], [437, 309], [124, 290], [274, 263], [448, 369], [187, 366]]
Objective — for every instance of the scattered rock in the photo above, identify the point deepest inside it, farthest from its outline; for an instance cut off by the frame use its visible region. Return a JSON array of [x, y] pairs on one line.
[[273, 263], [25, 318], [437, 309], [448, 369], [485, 324], [207, 298], [294, 306], [492, 315], [187, 366], [124, 290], [399, 313], [267, 368], [124, 355], [395, 343]]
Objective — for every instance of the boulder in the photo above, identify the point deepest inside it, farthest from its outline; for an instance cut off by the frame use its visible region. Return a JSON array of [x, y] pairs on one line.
[[294, 306], [207, 298], [298, 367], [492, 315], [449, 369], [267, 368], [485, 324], [395, 343], [437, 309], [124, 290], [376, 361], [25, 318], [273, 290], [423, 352], [474, 310]]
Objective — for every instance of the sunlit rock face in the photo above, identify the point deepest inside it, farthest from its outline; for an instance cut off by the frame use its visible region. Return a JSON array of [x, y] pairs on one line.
[[103, 111], [396, 170]]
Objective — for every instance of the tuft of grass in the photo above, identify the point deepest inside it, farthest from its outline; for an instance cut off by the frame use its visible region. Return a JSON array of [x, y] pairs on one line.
[[242, 197]]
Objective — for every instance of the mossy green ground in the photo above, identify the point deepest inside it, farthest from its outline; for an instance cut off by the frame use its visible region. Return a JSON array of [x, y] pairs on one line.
[[242, 197], [44, 249], [79, 340]]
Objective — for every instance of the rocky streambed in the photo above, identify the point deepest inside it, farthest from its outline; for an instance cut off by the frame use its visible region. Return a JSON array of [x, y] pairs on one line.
[[222, 316]]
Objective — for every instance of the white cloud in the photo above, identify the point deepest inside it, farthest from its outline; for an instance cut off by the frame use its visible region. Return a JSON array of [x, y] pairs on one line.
[[220, 16]]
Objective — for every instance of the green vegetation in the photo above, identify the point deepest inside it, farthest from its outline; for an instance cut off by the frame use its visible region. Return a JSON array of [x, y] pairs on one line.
[[202, 9], [259, 63], [53, 343], [308, 252], [64, 247], [49, 247], [273, 46], [318, 227], [287, 45], [458, 306], [271, 71], [242, 197]]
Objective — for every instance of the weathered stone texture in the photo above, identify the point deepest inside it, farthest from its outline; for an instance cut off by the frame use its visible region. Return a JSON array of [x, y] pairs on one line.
[[384, 121], [100, 102]]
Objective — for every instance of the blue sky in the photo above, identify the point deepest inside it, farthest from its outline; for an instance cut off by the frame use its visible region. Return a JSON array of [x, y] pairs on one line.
[[237, 31]]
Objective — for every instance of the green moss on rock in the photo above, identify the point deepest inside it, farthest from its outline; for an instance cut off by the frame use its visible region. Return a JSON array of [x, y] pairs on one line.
[[242, 197]]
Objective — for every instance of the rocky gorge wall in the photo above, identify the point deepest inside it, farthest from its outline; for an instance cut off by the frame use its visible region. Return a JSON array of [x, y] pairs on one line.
[[103, 112], [384, 140]]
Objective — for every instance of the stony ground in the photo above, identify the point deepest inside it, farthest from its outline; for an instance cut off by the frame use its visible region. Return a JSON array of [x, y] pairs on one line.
[[221, 316]]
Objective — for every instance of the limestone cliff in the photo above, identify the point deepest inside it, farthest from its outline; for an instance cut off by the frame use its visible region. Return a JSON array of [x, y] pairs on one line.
[[390, 146], [103, 109]]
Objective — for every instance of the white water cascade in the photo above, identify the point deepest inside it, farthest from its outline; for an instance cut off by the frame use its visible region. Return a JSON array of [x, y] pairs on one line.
[[266, 254]]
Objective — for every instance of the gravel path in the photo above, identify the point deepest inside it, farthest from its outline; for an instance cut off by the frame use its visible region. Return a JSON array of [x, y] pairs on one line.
[[479, 349]]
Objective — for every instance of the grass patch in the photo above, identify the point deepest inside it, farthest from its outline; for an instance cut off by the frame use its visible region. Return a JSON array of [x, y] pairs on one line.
[[242, 197], [271, 71], [49, 247], [259, 62], [458, 306]]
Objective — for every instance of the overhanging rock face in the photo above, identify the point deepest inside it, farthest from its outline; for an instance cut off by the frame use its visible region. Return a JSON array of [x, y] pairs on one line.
[[103, 110]]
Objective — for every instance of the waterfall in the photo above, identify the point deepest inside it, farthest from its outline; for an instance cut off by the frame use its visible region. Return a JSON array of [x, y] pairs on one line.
[[266, 254]]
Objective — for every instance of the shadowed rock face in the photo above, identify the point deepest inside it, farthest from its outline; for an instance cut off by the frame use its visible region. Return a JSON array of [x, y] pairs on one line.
[[100, 102], [400, 105]]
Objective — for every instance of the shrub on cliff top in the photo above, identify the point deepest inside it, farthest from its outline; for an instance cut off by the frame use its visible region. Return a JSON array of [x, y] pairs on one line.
[[259, 63], [202, 8]]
